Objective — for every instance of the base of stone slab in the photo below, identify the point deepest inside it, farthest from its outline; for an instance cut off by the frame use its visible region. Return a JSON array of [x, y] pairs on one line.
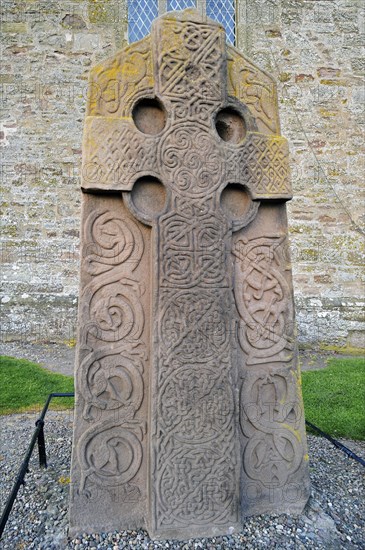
[[105, 523], [104, 519], [194, 532], [290, 508]]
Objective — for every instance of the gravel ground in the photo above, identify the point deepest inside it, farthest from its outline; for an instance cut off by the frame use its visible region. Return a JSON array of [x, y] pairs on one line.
[[334, 518]]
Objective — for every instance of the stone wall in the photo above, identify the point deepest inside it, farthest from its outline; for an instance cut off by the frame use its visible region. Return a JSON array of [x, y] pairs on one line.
[[313, 49]]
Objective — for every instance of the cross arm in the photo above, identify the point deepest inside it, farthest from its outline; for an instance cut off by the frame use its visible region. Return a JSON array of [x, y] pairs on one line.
[[113, 152], [262, 163]]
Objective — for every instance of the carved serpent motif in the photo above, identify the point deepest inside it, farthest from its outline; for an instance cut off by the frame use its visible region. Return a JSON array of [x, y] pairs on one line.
[[110, 375]]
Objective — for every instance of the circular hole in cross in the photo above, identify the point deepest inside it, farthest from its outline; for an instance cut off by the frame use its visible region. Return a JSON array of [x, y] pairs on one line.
[[148, 197], [149, 116], [230, 125], [235, 201]]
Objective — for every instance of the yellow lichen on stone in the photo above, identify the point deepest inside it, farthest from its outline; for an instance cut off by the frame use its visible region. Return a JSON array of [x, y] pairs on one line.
[[327, 114], [114, 82], [284, 77], [344, 350], [334, 82], [63, 480], [102, 11]]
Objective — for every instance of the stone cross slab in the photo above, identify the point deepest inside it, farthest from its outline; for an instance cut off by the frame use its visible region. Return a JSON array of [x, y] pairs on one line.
[[188, 405]]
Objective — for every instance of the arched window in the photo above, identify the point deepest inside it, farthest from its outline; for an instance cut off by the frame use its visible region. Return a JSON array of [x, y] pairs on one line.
[[141, 13]]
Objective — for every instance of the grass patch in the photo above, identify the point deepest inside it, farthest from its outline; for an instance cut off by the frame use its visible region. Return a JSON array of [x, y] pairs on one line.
[[25, 386], [334, 397]]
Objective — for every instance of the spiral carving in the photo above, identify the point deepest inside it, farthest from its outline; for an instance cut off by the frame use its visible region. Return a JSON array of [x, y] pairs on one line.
[[110, 241], [192, 161]]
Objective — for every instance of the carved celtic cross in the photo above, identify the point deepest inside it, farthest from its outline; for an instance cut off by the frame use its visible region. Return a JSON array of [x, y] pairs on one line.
[[188, 412]]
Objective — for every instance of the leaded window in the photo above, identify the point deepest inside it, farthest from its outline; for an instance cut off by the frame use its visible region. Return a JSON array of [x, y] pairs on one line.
[[141, 13], [173, 5], [223, 11]]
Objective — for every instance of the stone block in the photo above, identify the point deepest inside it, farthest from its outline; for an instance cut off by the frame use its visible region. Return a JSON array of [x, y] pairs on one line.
[[85, 42], [14, 28], [356, 339]]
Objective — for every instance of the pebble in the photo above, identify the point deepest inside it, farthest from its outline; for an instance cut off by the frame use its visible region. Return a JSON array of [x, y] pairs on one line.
[[334, 517]]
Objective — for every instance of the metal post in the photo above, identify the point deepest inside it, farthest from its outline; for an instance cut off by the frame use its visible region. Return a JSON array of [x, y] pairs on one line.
[[38, 436], [41, 445]]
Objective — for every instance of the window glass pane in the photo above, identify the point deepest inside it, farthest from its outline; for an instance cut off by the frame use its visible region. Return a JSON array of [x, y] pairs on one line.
[[223, 11], [141, 13], [173, 5]]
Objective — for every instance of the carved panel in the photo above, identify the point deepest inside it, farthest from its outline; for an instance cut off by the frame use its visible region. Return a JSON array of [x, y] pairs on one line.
[[191, 160], [109, 458], [190, 60], [262, 164], [194, 250], [194, 451], [118, 82], [111, 161], [109, 241], [195, 456], [256, 89], [274, 453], [271, 416], [109, 454], [264, 301]]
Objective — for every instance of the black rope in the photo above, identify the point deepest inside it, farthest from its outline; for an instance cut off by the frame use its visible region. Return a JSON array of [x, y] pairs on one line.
[[337, 444]]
